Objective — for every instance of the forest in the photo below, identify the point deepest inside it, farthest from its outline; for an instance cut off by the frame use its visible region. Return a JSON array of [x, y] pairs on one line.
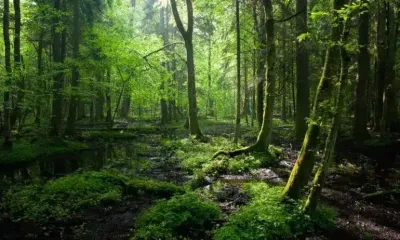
[[183, 119]]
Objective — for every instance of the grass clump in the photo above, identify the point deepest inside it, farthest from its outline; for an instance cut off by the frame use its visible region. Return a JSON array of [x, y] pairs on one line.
[[24, 151], [187, 216], [62, 198], [153, 188], [267, 217]]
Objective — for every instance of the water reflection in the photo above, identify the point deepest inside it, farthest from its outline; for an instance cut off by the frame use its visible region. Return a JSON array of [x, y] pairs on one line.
[[123, 157]]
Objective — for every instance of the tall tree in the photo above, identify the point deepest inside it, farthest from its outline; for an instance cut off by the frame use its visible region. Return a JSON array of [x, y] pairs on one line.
[[7, 145], [238, 85], [306, 159], [17, 63], [302, 72], [58, 79], [187, 35], [76, 36], [262, 41], [363, 69]]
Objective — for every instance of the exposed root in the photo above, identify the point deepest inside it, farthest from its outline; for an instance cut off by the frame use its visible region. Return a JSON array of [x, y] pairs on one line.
[[234, 153]]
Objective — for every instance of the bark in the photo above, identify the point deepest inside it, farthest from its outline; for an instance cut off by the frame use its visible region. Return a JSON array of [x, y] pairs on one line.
[[187, 35], [319, 179], [76, 36], [302, 73], [57, 104], [299, 177], [7, 145], [363, 69], [238, 85]]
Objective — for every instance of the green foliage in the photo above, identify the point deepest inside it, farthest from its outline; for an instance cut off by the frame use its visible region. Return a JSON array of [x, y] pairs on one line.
[[267, 217], [185, 216], [24, 151], [64, 197], [153, 188]]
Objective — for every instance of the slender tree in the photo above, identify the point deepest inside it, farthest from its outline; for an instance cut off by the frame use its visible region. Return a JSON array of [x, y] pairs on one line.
[[187, 35], [7, 145], [302, 72], [238, 85]]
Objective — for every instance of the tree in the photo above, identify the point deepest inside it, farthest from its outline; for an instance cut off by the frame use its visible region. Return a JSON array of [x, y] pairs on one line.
[[265, 133], [191, 78], [302, 169], [302, 72], [76, 36], [238, 94], [57, 104], [363, 69], [7, 145]]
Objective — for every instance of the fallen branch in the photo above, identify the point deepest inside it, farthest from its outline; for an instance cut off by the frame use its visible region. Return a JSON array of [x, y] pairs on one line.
[[381, 193]]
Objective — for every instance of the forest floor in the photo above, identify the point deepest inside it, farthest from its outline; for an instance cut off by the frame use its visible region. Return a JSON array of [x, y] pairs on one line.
[[146, 150]]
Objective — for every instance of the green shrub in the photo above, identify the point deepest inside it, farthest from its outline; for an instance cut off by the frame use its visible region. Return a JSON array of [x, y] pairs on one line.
[[185, 216], [153, 188], [267, 217], [62, 198]]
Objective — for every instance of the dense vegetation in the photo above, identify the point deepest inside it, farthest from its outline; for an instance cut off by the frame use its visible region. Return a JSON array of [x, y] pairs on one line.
[[166, 119]]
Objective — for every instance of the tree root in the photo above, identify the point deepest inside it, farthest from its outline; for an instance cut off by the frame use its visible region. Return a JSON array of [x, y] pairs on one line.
[[234, 153]]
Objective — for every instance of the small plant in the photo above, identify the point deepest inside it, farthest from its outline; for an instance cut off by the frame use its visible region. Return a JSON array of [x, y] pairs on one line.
[[185, 216]]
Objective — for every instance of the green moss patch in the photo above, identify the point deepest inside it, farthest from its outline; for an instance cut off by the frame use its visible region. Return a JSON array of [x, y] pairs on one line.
[[188, 216], [266, 217], [153, 188], [24, 151], [66, 197]]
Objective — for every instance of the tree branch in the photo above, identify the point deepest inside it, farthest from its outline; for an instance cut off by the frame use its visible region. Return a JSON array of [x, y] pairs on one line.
[[291, 17], [159, 50], [177, 18]]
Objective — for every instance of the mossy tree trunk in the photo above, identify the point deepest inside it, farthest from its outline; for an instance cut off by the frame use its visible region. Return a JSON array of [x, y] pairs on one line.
[[261, 64], [329, 151], [305, 162]]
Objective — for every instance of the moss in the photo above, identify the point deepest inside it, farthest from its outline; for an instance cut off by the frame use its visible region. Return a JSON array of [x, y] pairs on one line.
[[153, 188], [107, 135], [24, 151], [64, 197], [188, 216], [266, 217]]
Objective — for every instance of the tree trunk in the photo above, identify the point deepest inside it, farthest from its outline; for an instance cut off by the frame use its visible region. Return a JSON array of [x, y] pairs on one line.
[[238, 85], [305, 162], [188, 37], [76, 35], [57, 104], [284, 80], [108, 96], [363, 67], [246, 93], [302, 73], [319, 179], [381, 43], [17, 64], [100, 98], [163, 102], [261, 67], [41, 86], [7, 145]]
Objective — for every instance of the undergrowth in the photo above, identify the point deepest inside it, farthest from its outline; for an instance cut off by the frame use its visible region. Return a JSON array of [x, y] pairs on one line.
[[107, 135], [197, 157], [25, 151], [188, 216], [66, 197], [267, 217]]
